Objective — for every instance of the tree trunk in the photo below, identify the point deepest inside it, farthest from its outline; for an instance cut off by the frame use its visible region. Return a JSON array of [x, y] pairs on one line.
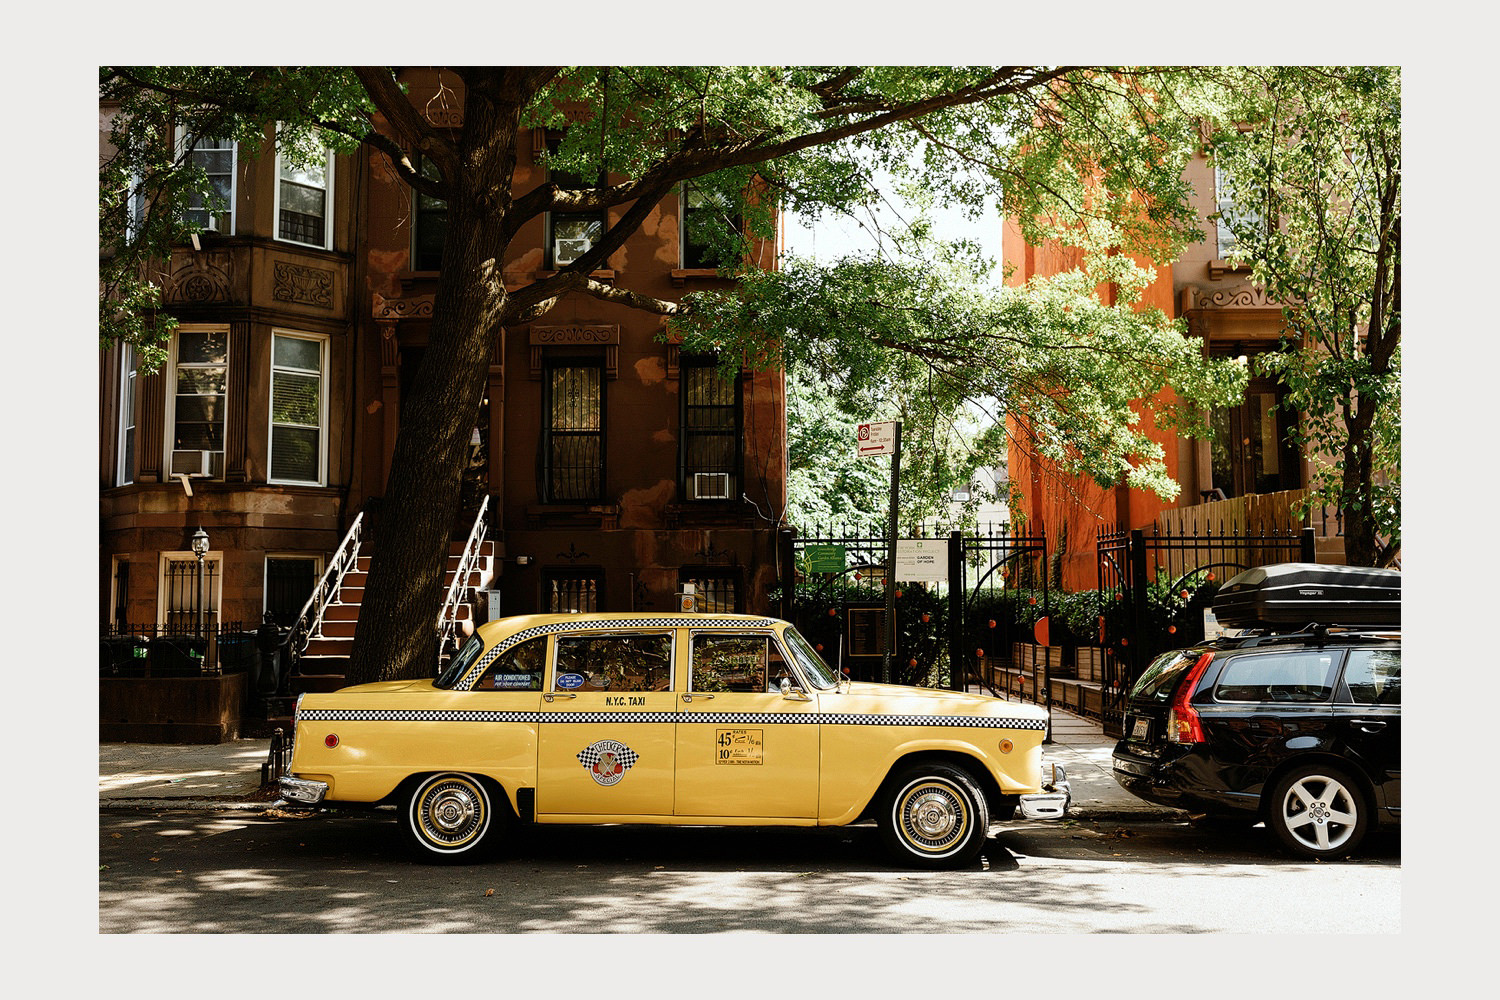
[[1361, 544], [412, 534]]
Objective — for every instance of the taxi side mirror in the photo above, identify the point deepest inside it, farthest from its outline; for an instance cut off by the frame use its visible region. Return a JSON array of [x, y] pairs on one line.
[[795, 693]]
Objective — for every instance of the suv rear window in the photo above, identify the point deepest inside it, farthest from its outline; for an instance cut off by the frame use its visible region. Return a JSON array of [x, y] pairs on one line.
[[1160, 679], [1291, 676]]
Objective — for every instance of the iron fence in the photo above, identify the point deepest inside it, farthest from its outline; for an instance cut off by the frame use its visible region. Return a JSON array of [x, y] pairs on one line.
[[168, 650]]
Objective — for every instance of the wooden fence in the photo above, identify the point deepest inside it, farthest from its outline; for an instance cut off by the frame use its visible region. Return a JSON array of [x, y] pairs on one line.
[[1224, 526]]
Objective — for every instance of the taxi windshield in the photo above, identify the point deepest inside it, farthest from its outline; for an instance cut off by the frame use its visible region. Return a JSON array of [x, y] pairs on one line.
[[818, 673]]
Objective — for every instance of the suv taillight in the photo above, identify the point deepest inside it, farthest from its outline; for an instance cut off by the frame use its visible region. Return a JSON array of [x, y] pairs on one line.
[[1183, 724]]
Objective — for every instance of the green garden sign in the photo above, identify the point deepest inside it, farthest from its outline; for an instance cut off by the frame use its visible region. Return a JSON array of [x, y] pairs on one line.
[[825, 559]]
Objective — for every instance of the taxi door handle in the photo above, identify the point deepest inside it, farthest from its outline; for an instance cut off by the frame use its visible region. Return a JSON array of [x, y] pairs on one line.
[[690, 697], [558, 694]]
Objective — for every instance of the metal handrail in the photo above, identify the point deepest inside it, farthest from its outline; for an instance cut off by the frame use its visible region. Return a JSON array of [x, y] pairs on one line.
[[309, 623], [448, 617]]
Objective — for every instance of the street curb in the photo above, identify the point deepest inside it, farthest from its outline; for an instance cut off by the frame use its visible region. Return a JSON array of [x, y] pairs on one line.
[[182, 805]]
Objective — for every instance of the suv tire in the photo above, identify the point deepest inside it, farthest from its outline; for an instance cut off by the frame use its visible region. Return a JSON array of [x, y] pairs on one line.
[[1318, 811]]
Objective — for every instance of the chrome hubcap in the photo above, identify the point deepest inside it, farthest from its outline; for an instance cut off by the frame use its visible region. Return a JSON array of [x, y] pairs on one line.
[[452, 809], [933, 815], [1320, 812], [451, 814]]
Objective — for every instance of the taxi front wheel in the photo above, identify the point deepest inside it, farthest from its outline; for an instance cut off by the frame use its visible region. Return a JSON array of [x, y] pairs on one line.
[[450, 817], [934, 817]]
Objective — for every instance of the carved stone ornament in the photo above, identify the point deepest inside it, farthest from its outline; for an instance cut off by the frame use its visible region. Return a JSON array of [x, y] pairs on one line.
[[309, 285], [606, 335], [200, 278], [444, 117], [391, 310], [1238, 297]]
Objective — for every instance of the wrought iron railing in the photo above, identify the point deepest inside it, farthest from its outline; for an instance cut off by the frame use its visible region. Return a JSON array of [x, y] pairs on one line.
[[167, 650], [309, 623], [448, 618]]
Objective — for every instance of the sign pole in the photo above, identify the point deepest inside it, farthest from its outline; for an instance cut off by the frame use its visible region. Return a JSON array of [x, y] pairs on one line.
[[890, 563]]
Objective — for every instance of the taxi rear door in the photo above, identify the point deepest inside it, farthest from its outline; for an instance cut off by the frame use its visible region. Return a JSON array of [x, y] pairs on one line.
[[606, 740]]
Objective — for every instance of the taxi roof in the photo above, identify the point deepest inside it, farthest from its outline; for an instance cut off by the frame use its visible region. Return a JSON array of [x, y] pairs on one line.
[[502, 627]]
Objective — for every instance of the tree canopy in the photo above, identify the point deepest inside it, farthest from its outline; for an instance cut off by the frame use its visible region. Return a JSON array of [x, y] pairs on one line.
[[1311, 158], [1092, 156]]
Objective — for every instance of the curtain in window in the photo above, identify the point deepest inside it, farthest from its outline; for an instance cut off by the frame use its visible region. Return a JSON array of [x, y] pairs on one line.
[[296, 409]]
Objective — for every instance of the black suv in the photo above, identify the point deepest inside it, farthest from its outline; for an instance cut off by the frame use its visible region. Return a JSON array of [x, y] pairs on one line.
[[1299, 726]]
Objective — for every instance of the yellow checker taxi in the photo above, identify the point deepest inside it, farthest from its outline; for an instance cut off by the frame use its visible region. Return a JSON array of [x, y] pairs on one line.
[[691, 719]]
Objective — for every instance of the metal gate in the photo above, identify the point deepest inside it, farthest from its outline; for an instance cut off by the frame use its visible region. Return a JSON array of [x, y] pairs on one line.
[[1127, 561], [981, 560]]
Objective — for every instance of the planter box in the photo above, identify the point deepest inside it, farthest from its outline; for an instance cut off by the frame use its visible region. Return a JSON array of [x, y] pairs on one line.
[[171, 709], [1089, 661]]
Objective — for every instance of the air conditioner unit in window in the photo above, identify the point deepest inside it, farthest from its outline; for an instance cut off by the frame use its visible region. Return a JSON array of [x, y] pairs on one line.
[[567, 251], [711, 486]]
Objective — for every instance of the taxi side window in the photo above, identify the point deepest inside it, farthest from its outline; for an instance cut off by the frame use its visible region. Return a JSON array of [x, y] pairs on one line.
[[1373, 677], [745, 663], [517, 669], [614, 662]]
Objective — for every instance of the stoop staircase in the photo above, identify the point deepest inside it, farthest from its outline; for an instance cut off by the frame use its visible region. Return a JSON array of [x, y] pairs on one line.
[[316, 654]]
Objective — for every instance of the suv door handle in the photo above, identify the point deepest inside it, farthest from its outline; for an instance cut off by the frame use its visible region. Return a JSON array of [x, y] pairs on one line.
[[1368, 725]]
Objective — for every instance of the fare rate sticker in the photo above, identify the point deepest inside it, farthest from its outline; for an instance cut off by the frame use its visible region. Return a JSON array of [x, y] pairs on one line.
[[741, 746]]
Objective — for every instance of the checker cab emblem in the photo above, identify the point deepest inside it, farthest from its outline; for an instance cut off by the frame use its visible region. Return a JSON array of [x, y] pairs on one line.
[[607, 760]]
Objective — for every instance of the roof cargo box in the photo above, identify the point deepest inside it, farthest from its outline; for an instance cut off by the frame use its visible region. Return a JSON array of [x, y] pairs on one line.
[[1296, 594]]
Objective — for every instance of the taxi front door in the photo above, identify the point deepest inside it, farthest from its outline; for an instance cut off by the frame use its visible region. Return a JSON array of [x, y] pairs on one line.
[[606, 741], [744, 749]]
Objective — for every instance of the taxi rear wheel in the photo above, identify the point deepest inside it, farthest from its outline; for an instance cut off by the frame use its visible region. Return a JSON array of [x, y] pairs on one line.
[[451, 817], [935, 816]]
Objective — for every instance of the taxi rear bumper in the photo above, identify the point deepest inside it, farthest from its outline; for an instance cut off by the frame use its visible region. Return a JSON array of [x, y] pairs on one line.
[[302, 791]]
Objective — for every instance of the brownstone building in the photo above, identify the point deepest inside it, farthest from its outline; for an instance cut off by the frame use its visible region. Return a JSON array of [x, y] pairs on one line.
[[615, 467]]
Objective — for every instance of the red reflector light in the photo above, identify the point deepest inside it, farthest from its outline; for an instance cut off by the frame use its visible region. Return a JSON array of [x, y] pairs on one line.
[[1183, 723], [330, 741]]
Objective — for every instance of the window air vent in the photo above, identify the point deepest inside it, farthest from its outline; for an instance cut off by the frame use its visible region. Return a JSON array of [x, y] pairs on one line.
[[711, 486]]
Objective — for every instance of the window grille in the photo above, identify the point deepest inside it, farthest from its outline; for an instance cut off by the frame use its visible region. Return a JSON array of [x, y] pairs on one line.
[[575, 434], [717, 590], [180, 613], [710, 432], [572, 592]]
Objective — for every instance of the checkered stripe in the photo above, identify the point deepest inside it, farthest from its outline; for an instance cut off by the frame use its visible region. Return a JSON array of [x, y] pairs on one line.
[[711, 718], [587, 624], [962, 721], [589, 756], [415, 715]]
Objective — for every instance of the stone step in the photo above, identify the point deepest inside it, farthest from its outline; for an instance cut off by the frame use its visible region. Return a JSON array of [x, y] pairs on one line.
[[329, 646]]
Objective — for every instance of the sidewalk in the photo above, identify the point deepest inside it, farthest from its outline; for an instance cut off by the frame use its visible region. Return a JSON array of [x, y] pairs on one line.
[[154, 776]]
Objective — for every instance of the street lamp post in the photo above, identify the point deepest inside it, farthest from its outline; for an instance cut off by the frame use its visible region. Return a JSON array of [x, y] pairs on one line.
[[200, 549]]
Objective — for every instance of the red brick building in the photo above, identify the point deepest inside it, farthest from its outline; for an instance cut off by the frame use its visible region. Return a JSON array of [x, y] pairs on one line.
[[1250, 471]]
